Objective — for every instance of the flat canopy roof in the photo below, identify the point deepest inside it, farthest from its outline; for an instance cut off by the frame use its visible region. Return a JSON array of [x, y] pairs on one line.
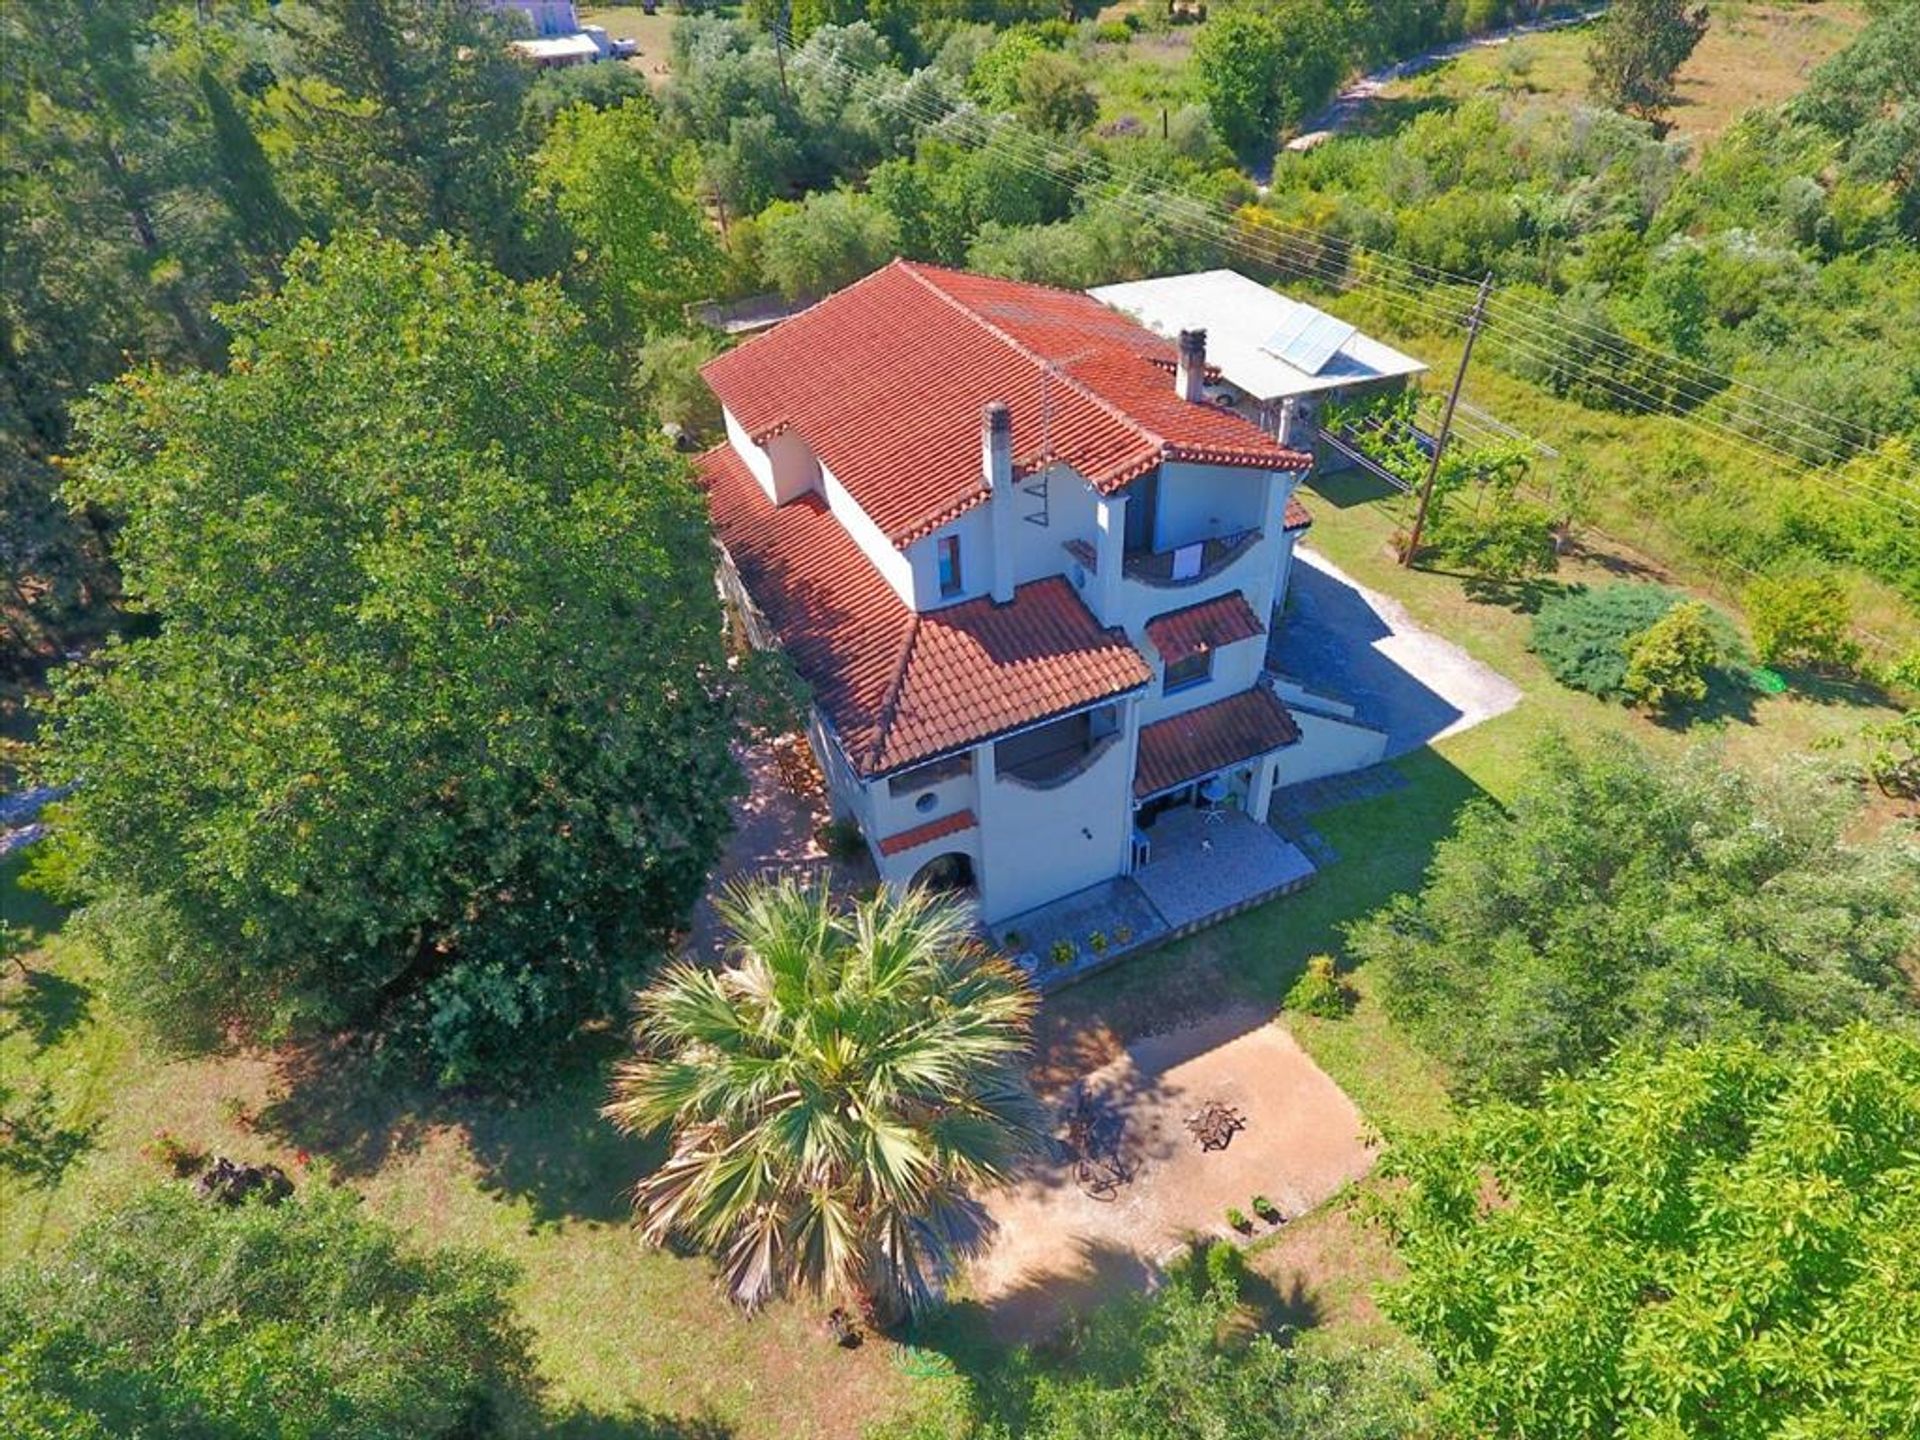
[[1262, 342], [559, 47]]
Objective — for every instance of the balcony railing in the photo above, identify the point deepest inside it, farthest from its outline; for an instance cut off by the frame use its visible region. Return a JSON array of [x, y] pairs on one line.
[[1057, 767], [1158, 567]]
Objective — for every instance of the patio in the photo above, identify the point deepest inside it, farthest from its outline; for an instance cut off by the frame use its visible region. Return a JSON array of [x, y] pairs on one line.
[[1202, 870], [1064, 1245]]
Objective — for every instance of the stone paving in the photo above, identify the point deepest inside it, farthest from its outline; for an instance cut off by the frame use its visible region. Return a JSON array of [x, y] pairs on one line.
[[1202, 868], [1201, 871]]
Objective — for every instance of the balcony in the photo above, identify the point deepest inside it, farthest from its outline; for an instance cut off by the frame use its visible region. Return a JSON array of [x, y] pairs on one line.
[[1171, 569], [1179, 566], [1055, 754]]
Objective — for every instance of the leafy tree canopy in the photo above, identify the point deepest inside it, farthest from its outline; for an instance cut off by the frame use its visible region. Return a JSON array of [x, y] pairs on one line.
[[1628, 899], [1720, 1241], [625, 194], [177, 1319], [426, 736], [1639, 48]]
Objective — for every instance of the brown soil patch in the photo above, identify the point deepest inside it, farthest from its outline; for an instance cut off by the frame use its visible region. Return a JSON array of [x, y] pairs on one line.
[[1060, 1249]]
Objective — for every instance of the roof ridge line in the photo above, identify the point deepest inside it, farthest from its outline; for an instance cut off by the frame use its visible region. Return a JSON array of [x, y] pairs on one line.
[[1046, 366], [896, 688]]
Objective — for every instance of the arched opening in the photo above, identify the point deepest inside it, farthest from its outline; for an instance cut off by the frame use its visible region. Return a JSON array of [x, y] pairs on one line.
[[948, 874]]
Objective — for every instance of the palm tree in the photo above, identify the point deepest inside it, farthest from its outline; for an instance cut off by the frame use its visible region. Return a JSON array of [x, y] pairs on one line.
[[835, 1092]]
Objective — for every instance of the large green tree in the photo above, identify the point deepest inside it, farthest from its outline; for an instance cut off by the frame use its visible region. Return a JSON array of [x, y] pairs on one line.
[[175, 1319], [429, 733], [625, 192], [1719, 1242], [1625, 897], [1639, 48], [403, 115], [835, 1093]]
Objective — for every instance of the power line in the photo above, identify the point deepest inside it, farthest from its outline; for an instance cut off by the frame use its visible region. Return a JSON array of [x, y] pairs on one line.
[[1219, 227]]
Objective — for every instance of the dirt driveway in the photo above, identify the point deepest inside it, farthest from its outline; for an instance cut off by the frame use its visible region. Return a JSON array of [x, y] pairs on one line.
[[1059, 1249]]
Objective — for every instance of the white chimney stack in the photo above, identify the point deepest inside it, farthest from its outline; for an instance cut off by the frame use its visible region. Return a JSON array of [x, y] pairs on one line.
[[1190, 374], [996, 468]]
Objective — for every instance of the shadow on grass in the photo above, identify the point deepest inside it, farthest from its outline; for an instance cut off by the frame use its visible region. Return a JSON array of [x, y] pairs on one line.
[[34, 1147], [47, 1007], [1344, 489], [582, 1424], [1823, 688], [547, 1147]]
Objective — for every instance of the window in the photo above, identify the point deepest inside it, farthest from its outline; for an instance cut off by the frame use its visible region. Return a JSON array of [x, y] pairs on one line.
[[949, 550], [1194, 670]]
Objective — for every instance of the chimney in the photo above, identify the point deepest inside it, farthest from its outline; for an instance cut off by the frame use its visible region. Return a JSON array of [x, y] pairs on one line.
[[1191, 372], [996, 468]]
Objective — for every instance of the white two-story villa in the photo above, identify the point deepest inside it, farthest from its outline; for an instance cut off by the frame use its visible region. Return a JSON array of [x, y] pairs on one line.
[[1027, 567]]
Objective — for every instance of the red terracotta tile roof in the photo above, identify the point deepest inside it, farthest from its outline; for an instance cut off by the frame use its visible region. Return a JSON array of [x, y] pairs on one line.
[[1298, 516], [885, 382], [1184, 748], [900, 688], [926, 834], [1222, 620]]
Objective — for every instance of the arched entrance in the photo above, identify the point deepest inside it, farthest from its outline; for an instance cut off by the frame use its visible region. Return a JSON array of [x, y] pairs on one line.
[[948, 874]]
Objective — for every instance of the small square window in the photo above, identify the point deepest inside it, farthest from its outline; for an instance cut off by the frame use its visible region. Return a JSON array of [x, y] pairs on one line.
[[1194, 670], [949, 551]]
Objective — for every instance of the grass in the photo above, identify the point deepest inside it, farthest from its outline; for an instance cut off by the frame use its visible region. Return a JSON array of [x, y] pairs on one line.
[[634, 1343], [1753, 54]]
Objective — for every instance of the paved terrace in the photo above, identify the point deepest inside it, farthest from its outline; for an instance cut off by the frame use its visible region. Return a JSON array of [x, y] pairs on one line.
[[1202, 872]]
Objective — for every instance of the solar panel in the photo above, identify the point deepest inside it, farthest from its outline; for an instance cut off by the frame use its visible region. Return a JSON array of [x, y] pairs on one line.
[[1308, 339]]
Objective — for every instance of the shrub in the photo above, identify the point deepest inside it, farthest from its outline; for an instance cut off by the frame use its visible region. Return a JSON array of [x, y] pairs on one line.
[[1667, 666], [172, 1317], [842, 839], [180, 1158], [1097, 942], [1628, 899], [1237, 1218], [1893, 756], [1320, 990], [1801, 620], [1266, 1209], [1585, 636], [1062, 952], [1226, 1269]]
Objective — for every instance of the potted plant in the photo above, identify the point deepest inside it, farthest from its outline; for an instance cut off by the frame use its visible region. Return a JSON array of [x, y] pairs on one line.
[[1267, 1210], [1097, 942], [1237, 1218], [1062, 953], [1122, 934]]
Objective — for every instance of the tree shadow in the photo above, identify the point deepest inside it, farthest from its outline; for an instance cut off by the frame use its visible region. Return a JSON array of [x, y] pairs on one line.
[[48, 1007], [1826, 688], [581, 1423], [547, 1147], [1523, 597], [35, 1147], [1278, 1310]]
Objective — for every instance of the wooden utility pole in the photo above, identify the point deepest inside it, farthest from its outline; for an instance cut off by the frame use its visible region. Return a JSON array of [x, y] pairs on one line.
[[1474, 317]]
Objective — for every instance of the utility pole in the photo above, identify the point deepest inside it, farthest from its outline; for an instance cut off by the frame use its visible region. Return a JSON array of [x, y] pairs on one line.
[[1474, 317]]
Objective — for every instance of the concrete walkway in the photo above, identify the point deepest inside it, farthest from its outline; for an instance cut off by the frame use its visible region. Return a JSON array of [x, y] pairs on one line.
[[1360, 646]]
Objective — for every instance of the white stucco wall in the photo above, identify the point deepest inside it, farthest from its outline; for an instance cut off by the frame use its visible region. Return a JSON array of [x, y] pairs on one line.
[[976, 562], [1327, 747], [894, 567], [1235, 668], [1204, 502], [1040, 844]]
